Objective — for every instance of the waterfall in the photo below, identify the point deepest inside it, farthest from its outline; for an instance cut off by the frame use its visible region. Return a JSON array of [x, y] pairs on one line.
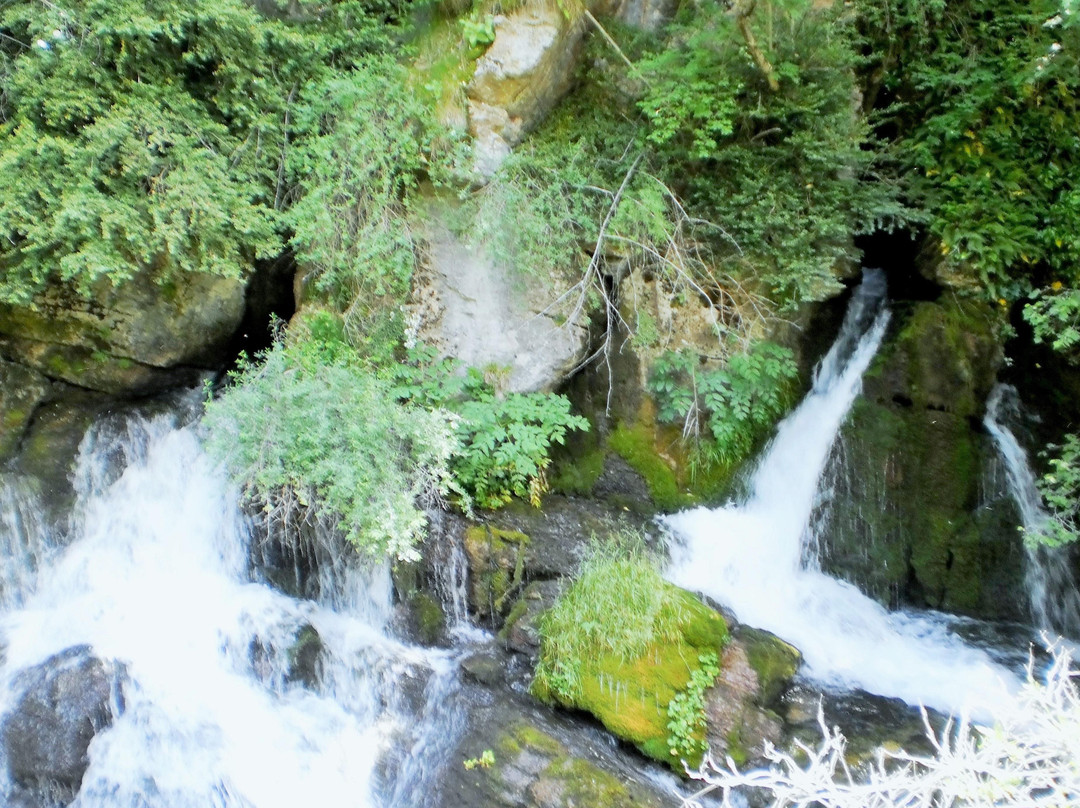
[[155, 576], [1048, 576], [756, 556]]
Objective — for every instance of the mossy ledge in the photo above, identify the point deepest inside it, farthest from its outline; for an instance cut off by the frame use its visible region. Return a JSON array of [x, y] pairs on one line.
[[630, 697]]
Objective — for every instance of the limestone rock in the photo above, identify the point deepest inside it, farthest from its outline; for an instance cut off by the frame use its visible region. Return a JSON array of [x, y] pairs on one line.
[[67, 700], [470, 307], [21, 391], [527, 69], [141, 337]]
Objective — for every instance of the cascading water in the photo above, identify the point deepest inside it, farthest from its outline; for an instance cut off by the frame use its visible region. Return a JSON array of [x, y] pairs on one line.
[[156, 577], [1049, 579], [756, 556]]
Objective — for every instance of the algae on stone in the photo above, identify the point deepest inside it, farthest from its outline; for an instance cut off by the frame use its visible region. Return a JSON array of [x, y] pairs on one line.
[[630, 695], [497, 567]]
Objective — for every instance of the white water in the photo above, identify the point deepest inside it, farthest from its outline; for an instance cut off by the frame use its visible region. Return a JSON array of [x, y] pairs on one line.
[[156, 577], [756, 558], [1048, 577]]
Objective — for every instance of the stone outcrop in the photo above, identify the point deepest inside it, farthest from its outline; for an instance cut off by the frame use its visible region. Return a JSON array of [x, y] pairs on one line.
[[524, 73], [67, 700], [911, 522], [142, 337], [470, 306]]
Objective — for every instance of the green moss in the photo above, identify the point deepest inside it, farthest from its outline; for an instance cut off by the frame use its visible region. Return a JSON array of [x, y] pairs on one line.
[[773, 660], [429, 616], [577, 476], [497, 561], [630, 696], [636, 446], [568, 781]]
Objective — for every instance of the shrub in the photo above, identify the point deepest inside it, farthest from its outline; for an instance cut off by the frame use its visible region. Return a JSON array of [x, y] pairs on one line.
[[332, 436], [737, 403], [504, 440]]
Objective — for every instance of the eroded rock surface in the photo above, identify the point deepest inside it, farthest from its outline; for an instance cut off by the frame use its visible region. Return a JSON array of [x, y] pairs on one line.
[[67, 700]]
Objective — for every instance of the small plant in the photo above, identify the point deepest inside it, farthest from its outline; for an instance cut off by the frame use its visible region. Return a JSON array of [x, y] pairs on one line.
[[737, 403], [686, 712], [485, 761], [478, 32], [619, 605]]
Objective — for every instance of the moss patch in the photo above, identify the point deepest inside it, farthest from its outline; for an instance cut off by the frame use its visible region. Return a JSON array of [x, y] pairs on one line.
[[529, 760], [497, 566], [635, 444], [630, 696], [773, 660]]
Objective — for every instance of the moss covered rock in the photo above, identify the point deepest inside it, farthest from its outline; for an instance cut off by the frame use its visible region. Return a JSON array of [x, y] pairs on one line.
[[141, 337], [911, 522], [497, 568], [631, 697], [522, 763]]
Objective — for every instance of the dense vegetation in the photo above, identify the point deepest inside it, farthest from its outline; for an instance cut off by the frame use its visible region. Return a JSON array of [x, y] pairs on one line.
[[733, 156]]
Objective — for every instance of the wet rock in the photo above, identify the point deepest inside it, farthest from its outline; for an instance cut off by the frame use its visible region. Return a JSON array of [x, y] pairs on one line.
[[536, 760], [756, 667], [142, 337], [867, 721], [497, 567], [486, 667], [914, 449], [304, 656], [21, 391], [520, 633], [67, 700]]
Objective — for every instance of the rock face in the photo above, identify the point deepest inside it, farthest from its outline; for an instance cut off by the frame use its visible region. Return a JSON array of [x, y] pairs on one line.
[[485, 314], [21, 391], [755, 670], [142, 337], [912, 523], [527, 69], [68, 699]]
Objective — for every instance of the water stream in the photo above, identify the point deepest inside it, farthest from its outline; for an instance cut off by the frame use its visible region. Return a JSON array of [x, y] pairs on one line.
[[1048, 576], [156, 576], [757, 556]]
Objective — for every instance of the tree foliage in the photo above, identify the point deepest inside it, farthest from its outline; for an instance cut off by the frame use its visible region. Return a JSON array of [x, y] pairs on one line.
[[334, 437], [147, 134]]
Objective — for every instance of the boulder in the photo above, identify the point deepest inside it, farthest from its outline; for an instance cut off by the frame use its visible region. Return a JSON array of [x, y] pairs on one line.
[[755, 669], [66, 700], [470, 306], [517, 81], [141, 337], [515, 757]]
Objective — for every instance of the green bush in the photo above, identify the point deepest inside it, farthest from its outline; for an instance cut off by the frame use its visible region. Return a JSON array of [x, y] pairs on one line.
[[331, 436], [738, 403]]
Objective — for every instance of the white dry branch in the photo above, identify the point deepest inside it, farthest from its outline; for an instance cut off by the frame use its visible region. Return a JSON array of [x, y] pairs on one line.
[[1030, 758]]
